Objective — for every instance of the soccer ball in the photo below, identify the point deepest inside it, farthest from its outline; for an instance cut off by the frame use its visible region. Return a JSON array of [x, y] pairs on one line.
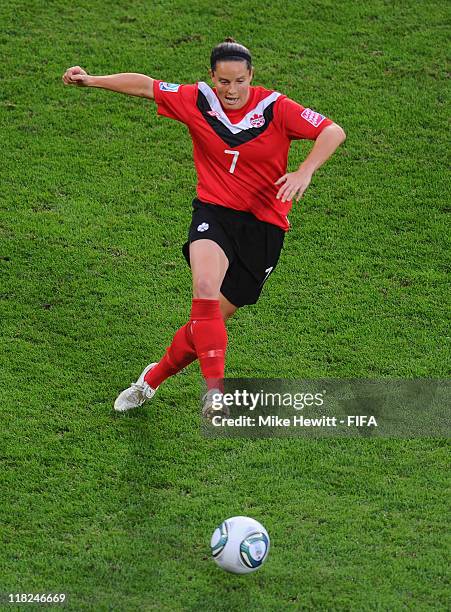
[[240, 545]]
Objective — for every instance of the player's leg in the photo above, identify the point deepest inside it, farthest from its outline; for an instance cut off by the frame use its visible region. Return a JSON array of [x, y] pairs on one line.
[[183, 349], [209, 265], [227, 308], [207, 335]]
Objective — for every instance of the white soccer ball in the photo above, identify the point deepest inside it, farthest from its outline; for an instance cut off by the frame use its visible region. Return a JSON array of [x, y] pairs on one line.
[[240, 545]]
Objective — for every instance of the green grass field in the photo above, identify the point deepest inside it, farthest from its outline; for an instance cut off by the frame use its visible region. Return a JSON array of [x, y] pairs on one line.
[[117, 511]]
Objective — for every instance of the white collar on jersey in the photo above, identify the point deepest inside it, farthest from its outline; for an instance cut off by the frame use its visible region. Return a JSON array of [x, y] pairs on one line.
[[245, 123]]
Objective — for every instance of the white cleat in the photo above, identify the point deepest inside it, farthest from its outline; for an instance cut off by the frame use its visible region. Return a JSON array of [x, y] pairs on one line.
[[138, 393], [212, 405]]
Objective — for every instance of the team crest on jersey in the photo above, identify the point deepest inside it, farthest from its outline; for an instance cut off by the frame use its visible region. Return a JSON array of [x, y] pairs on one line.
[[169, 87], [257, 121], [312, 117]]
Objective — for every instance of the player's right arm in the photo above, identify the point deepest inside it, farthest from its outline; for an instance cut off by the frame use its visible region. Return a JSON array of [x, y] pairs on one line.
[[130, 83]]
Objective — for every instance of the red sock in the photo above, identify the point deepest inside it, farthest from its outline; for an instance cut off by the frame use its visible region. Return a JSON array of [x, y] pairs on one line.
[[210, 340], [180, 354]]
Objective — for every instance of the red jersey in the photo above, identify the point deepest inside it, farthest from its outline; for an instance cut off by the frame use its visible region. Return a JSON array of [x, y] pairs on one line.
[[239, 154]]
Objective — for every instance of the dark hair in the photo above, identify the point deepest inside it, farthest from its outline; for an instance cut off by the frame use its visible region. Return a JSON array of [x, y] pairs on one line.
[[230, 51]]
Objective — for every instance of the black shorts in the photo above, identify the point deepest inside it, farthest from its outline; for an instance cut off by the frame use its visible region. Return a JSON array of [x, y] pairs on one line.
[[252, 247]]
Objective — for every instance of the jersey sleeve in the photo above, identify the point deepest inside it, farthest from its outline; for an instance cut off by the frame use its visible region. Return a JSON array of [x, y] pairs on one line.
[[301, 123], [175, 101]]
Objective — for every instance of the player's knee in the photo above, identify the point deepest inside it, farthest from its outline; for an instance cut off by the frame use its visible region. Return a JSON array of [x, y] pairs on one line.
[[227, 313], [206, 288], [226, 316]]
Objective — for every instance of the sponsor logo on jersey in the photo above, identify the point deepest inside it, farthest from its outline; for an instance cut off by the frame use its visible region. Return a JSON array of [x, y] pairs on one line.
[[257, 120], [169, 86], [202, 227], [312, 117]]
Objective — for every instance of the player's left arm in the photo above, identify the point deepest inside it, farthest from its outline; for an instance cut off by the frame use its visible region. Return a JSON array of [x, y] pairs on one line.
[[294, 184]]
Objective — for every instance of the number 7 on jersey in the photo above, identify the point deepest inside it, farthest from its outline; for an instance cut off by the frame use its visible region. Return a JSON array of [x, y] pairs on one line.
[[234, 160]]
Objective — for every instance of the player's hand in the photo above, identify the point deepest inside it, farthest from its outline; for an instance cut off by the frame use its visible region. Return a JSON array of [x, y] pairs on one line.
[[293, 185], [76, 76]]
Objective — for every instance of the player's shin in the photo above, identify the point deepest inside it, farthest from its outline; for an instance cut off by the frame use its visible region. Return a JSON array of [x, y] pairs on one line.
[[210, 340], [180, 354]]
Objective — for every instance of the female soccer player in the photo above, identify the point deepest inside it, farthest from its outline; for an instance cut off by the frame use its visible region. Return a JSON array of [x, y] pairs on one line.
[[241, 137]]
